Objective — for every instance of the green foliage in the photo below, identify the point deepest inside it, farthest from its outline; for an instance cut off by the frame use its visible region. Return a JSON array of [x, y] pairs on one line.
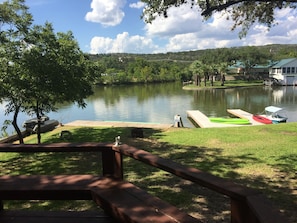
[[39, 68], [3, 131], [54, 64], [15, 21], [198, 67], [128, 68]]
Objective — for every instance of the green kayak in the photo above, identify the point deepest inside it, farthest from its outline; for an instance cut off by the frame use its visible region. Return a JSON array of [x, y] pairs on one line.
[[234, 121]]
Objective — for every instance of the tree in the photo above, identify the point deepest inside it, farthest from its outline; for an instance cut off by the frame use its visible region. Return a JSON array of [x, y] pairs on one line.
[[56, 70], [198, 70], [14, 24], [244, 13], [49, 68], [251, 56], [222, 70]]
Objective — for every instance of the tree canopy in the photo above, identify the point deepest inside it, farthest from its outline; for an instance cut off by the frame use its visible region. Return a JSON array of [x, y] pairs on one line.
[[39, 68], [244, 13], [14, 24]]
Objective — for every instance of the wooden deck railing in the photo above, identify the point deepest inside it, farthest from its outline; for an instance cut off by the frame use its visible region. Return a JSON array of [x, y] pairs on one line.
[[247, 205]]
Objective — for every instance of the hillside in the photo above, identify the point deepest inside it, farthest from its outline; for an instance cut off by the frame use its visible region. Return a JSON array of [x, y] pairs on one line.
[[272, 51]]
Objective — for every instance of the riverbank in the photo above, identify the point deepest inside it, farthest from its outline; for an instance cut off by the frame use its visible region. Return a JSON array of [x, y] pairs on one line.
[[227, 84], [110, 124]]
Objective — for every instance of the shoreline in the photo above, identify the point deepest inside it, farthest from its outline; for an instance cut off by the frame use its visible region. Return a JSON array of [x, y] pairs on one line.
[[118, 124], [89, 123]]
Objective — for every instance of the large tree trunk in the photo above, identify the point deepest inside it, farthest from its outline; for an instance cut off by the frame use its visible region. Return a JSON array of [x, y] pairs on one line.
[[15, 125]]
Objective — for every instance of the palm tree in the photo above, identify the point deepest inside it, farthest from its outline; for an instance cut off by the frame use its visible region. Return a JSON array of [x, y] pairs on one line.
[[198, 70], [222, 70]]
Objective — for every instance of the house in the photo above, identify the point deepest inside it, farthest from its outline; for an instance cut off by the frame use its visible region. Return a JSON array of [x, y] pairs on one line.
[[285, 72], [257, 70], [237, 68]]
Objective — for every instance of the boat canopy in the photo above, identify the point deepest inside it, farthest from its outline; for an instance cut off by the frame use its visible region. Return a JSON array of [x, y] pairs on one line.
[[273, 109]]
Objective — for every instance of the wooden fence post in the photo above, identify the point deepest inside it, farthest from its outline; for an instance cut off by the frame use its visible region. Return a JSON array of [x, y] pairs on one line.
[[240, 212], [112, 164], [1, 205]]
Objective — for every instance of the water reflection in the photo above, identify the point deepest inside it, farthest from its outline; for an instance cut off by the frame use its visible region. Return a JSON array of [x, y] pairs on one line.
[[159, 103], [254, 100]]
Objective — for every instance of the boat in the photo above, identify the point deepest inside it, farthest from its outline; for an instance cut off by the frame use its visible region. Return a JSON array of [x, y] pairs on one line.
[[46, 124], [273, 114], [30, 123], [272, 82], [262, 119], [233, 121]]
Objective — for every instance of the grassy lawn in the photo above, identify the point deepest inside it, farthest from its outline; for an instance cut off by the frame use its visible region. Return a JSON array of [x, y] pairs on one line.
[[227, 84], [261, 157]]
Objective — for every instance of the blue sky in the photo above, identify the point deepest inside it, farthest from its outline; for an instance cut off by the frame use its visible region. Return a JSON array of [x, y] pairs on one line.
[[110, 26]]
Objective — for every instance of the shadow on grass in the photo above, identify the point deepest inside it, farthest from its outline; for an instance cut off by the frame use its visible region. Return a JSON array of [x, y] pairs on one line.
[[204, 204], [207, 205]]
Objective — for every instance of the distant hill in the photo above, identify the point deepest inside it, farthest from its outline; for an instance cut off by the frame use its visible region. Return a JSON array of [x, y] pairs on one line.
[[275, 51]]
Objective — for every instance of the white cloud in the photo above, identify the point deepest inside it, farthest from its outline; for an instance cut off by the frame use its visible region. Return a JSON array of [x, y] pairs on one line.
[[196, 33], [179, 21], [182, 42], [283, 13], [137, 5], [284, 32], [107, 13], [122, 43], [185, 29], [100, 44], [192, 41]]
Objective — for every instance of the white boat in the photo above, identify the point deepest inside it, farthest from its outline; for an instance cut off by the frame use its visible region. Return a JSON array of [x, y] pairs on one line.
[[275, 114], [30, 124], [46, 124]]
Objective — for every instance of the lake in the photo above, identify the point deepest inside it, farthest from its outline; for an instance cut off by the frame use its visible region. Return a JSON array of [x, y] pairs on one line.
[[159, 103]]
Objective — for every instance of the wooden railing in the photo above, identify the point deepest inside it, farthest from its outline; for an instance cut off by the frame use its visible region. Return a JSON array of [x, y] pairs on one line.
[[247, 205]]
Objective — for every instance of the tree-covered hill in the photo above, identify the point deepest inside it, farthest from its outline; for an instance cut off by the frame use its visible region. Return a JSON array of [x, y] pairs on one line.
[[124, 68], [273, 51]]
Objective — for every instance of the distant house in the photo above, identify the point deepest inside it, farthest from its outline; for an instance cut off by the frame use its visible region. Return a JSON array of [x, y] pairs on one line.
[[262, 70], [238, 68], [285, 71]]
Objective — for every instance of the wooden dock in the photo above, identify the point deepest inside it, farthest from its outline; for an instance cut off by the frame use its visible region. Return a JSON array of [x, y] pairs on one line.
[[243, 114], [203, 121]]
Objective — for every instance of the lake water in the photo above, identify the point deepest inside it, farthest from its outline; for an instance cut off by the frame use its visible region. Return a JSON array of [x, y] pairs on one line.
[[158, 103]]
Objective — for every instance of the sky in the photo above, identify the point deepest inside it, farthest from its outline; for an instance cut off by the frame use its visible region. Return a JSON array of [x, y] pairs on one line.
[[115, 26]]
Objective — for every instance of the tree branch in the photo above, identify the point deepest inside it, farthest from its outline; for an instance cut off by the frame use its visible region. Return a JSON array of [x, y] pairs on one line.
[[209, 9]]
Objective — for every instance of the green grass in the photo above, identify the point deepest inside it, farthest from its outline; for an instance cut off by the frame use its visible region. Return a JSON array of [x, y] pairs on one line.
[[261, 157], [227, 84], [270, 146]]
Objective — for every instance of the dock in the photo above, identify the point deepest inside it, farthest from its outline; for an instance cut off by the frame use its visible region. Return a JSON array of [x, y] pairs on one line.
[[243, 114], [203, 121]]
